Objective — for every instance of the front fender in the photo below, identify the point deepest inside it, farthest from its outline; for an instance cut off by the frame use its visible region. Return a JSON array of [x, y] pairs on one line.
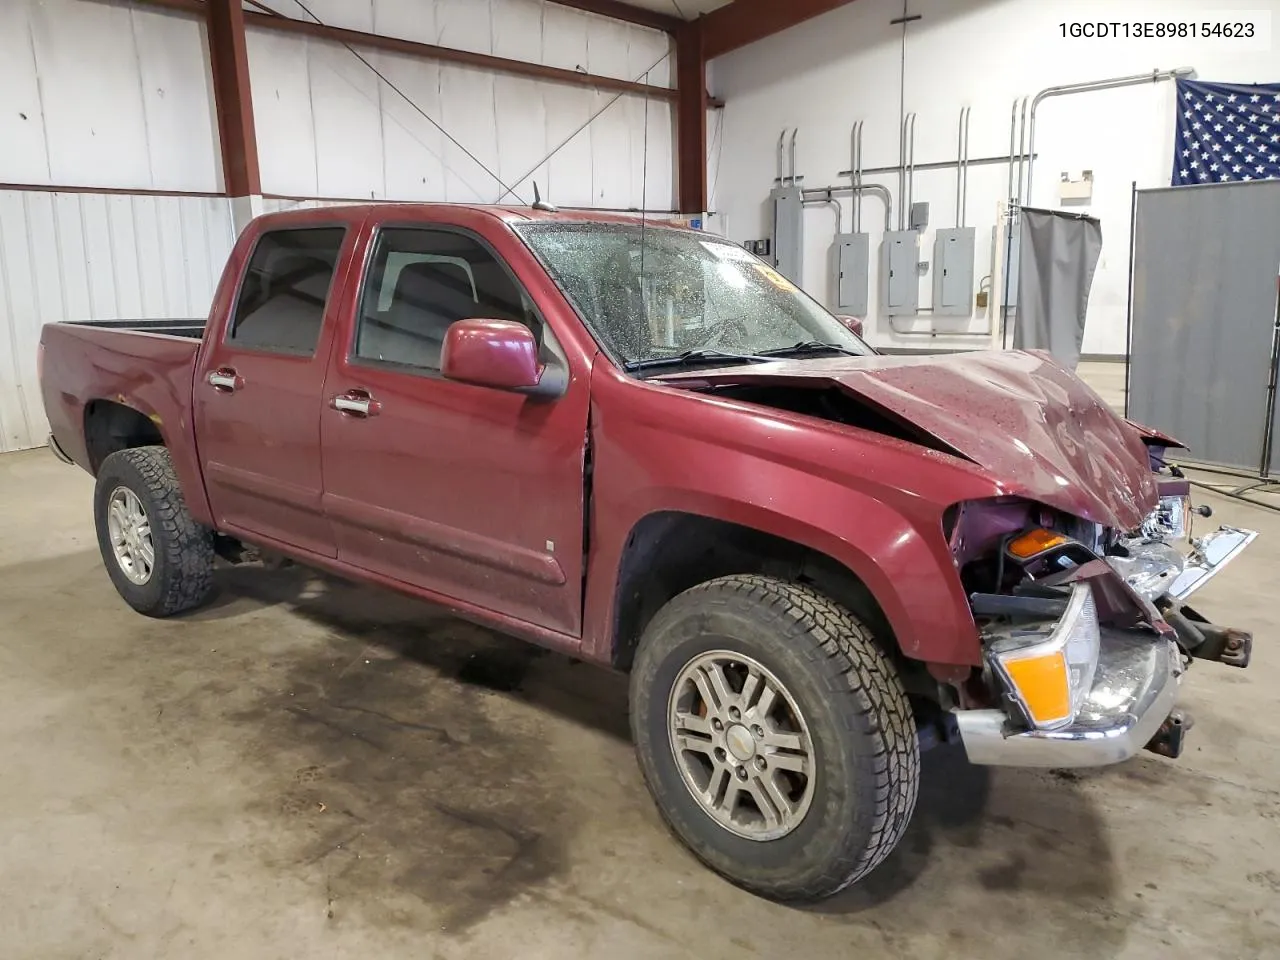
[[872, 504]]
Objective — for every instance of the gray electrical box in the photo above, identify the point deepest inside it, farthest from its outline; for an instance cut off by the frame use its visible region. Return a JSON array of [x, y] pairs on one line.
[[853, 272], [900, 273], [788, 232], [953, 272], [919, 215]]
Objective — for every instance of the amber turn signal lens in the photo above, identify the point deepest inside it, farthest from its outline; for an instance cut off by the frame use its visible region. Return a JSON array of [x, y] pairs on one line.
[[1036, 542], [1043, 685]]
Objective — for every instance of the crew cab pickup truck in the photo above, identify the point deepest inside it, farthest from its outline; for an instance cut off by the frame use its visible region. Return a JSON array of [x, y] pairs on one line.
[[641, 446]]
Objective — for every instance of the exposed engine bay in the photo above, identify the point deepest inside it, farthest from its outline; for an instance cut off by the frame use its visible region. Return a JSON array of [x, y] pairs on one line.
[[1077, 575], [1050, 592]]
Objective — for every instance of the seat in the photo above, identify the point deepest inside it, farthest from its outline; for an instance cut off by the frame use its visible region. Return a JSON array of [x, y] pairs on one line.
[[429, 297]]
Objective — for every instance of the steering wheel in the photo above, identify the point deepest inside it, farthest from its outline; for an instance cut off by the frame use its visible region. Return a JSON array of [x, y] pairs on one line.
[[722, 328]]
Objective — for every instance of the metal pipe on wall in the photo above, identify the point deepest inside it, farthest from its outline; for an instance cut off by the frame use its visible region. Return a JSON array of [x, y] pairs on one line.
[[962, 166], [1013, 158], [855, 173], [911, 168], [831, 202], [794, 131], [1088, 86], [877, 189]]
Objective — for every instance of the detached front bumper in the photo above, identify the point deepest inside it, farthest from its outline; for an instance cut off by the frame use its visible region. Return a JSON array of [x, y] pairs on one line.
[[1133, 692]]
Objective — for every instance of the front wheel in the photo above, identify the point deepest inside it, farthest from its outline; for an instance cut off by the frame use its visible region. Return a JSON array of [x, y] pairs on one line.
[[159, 558], [774, 735]]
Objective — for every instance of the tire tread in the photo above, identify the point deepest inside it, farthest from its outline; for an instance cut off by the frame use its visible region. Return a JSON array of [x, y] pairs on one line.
[[187, 564], [870, 697]]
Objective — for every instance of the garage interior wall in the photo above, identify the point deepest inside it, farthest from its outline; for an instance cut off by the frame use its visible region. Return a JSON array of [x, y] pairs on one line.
[[844, 66], [117, 96]]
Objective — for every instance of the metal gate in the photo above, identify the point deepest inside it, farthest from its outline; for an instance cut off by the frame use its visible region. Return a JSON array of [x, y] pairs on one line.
[[1202, 342]]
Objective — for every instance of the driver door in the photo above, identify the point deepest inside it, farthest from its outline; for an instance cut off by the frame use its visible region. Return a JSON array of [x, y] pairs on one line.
[[469, 493]]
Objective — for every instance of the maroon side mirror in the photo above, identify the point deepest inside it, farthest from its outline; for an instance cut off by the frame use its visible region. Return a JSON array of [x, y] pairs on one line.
[[853, 323], [501, 354]]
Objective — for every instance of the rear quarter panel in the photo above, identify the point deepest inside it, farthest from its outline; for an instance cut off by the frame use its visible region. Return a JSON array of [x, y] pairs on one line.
[[150, 373]]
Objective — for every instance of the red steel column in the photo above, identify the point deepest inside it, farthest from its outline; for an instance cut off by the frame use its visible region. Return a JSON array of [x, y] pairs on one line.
[[691, 118], [229, 58]]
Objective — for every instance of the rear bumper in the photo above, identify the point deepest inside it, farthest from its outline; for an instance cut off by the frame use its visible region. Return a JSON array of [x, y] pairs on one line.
[[58, 451], [1133, 693]]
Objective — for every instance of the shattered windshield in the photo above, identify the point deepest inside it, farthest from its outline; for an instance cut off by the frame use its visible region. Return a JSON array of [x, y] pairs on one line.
[[655, 296]]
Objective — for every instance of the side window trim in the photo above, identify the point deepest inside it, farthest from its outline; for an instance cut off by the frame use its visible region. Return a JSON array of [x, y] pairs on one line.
[[353, 358], [228, 340]]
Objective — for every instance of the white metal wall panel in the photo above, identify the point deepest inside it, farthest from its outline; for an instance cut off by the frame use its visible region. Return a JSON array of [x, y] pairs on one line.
[[523, 134], [532, 30], [97, 94], [328, 127], [85, 256], [24, 158], [517, 30], [348, 124], [464, 25], [413, 147], [182, 121], [469, 115]]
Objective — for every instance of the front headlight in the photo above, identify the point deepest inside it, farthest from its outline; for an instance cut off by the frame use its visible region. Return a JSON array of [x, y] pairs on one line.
[[1170, 521], [1049, 671]]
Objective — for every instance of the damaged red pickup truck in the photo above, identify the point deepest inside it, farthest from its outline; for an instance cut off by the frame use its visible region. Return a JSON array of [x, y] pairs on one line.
[[640, 445]]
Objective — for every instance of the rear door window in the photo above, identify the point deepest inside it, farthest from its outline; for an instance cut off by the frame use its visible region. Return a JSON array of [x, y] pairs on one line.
[[286, 286]]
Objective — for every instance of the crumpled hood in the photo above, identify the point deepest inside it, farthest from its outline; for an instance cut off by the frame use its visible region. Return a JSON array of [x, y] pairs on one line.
[[1038, 429]]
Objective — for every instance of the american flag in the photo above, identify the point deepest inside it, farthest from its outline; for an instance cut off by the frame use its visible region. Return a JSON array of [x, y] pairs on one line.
[[1226, 132]]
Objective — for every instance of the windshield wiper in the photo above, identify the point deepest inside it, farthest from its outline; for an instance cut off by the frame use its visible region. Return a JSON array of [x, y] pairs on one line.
[[809, 346], [693, 356]]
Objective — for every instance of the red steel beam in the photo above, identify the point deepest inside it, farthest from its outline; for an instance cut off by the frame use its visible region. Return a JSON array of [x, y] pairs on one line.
[[427, 51], [746, 21], [229, 60], [616, 10], [691, 118]]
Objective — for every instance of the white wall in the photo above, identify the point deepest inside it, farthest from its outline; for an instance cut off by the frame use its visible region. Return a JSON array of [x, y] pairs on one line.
[[85, 256], [112, 95], [844, 66], [102, 95], [327, 126]]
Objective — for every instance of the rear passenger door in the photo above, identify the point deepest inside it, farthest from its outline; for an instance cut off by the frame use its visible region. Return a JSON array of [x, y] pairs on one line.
[[469, 493], [259, 391]]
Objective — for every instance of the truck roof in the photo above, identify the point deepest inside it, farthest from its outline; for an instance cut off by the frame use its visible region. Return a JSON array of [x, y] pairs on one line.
[[423, 211]]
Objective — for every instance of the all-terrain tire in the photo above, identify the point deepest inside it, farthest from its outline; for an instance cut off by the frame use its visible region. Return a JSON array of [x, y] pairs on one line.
[[182, 573], [866, 756]]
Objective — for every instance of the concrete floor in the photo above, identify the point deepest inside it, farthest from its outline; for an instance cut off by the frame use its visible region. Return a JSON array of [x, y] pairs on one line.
[[313, 769]]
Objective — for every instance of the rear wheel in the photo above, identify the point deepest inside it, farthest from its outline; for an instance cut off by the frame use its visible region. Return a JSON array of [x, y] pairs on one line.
[[774, 735], [158, 557]]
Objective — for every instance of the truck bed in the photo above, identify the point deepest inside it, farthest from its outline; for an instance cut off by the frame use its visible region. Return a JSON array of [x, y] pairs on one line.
[[143, 364], [192, 328]]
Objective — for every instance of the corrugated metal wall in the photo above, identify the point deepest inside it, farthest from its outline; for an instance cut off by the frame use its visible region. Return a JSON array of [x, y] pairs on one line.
[[87, 256], [327, 126], [115, 95]]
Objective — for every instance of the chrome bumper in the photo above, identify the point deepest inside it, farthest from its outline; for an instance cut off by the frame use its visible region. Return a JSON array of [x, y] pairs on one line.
[[1208, 556], [1133, 692]]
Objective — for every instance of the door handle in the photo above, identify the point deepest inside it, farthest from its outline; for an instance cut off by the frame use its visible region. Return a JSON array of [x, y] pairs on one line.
[[356, 403], [225, 380]]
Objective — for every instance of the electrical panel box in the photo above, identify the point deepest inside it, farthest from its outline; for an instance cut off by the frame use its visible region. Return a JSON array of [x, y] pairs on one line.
[[919, 215], [953, 272], [900, 273], [788, 232], [853, 272]]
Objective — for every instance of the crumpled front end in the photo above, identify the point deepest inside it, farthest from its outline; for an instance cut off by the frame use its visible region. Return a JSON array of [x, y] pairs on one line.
[[1086, 631]]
